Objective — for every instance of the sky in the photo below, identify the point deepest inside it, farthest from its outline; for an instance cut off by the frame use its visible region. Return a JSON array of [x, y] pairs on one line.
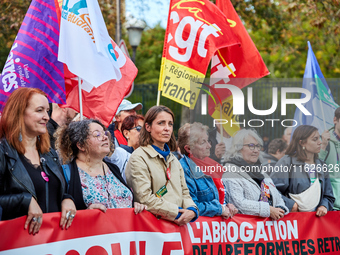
[[149, 10]]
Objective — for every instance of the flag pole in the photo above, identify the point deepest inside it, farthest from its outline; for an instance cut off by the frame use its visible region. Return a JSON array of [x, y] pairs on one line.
[[80, 99], [158, 97], [221, 129], [323, 114]]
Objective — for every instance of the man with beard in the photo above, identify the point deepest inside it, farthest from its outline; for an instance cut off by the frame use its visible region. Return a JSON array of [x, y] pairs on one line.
[[59, 117]]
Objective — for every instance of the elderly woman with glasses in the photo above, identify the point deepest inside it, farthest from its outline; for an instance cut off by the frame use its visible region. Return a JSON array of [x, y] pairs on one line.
[[252, 192], [94, 182], [195, 146], [131, 127]]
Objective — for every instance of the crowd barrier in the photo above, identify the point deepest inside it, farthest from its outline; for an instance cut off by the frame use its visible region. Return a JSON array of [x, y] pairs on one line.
[[121, 232]]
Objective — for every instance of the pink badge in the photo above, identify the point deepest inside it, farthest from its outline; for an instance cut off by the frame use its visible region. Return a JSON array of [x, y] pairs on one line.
[[44, 176]]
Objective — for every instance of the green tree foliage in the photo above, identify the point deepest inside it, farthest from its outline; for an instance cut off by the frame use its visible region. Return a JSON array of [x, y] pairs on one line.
[[12, 13], [281, 29], [149, 55]]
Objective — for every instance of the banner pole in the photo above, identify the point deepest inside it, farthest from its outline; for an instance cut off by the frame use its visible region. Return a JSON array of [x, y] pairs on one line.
[[80, 99], [158, 97], [323, 114], [221, 128]]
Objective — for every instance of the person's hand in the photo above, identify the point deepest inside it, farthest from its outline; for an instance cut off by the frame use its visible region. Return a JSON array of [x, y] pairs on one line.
[[233, 210], [325, 137], [138, 208], [34, 217], [276, 213], [321, 211], [225, 212], [220, 150], [295, 208], [68, 211], [187, 216], [98, 206]]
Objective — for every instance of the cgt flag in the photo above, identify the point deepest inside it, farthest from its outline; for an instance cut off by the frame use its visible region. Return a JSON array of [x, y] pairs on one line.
[[89, 52], [195, 30], [238, 65], [32, 61], [321, 106]]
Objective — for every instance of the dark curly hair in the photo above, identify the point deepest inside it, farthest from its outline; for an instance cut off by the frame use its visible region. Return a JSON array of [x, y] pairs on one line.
[[68, 136]]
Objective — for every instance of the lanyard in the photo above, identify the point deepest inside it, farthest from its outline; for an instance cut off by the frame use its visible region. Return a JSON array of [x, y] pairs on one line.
[[168, 174]]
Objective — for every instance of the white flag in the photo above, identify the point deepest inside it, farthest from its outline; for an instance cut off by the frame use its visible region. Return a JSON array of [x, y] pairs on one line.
[[85, 45]]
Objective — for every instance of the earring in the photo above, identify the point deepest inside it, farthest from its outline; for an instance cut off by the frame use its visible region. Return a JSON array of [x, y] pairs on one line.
[[303, 147], [20, 137], [38, 138], [127, 138]]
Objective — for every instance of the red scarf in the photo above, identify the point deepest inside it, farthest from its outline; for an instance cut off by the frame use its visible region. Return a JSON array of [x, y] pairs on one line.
[[208, 162], [120, 138]]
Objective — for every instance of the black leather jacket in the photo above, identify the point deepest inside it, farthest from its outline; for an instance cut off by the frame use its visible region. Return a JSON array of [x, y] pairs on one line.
[[16, 186]]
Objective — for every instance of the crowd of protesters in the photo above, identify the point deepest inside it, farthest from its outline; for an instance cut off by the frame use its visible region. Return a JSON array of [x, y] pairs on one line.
[[51, 163]]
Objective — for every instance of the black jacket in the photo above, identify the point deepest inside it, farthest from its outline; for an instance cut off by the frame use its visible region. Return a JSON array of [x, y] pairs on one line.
[[16, 186], [52, 126], [75, 189]]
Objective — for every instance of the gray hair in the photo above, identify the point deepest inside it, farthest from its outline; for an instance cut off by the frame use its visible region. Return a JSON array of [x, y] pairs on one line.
[[189, 134], [238, 141]]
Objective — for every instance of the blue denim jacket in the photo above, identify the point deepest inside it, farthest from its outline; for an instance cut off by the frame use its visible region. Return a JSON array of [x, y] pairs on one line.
[[202, 189]]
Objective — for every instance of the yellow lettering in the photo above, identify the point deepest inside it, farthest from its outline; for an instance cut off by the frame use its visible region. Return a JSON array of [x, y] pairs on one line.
[[195, 11]]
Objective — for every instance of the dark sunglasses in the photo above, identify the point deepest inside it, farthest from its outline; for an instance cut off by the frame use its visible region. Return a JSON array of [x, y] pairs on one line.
[[138, 128]]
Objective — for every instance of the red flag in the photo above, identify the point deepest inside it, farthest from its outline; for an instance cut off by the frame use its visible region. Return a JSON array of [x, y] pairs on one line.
[[195, 30], [89, 52], [102, 102], [235, 62], [238, 65]]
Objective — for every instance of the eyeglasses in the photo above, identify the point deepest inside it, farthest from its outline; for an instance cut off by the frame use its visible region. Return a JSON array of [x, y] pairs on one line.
[[100, 134], [138, 128], [252, 146]]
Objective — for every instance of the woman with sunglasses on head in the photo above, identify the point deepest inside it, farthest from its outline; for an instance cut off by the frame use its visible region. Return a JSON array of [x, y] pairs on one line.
[[304, 179], [155, 175], [131, 127], [251, 191], [94, 182], [31, 180]]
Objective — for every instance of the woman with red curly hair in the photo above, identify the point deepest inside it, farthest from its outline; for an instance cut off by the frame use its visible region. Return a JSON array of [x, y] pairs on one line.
[[31, 180]]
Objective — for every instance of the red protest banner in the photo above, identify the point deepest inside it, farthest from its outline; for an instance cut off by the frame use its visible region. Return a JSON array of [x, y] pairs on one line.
[[121, 232], [195, 30]]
